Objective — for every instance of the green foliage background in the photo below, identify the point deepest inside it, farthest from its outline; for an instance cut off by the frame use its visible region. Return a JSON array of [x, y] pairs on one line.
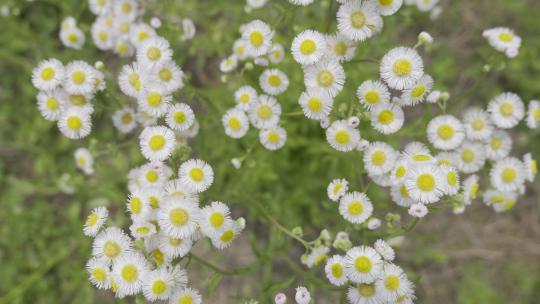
[[42, 248]]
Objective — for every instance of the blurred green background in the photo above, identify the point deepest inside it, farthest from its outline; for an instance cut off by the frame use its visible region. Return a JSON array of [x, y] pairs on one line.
[[477, 257]]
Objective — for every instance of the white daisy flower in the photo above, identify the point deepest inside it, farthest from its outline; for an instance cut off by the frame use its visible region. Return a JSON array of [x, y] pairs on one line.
[[533, 114], [302, 295], [178, 218], [374, 223], [301, 3], [100, 7], [174, 247], [196, 175], [228, 64], [131, 79], [277, 53], [371, 93], [186, 295], [154, 51], [388, 7], [337, 188], [126, 9], [384, 249], [235, 122], [240, 49], [124, 120], [531, 167], [99, 273], [387, 118], [399, 171], [335, 270], [498, 145], [75, 123], [72, 37], [379, 158], [51, 103], [81, 102], [308, 47], [175, 188], [425, 183], [158, 285], [154, 100], [316, 104], [264, 112], [142, 229], [340, 48], [401, 68], [477, 124], [129, 272], [123, 48], [393, 283], [137, 205], [358, 20], [95, 221], [213, 218], [451, 180], [470, 189], [418, 92], [157, 143], [502, 39], [169, 76], [229, 233], [494, 197], [508, 174], [382, 180], [180, 117], [471, 157], [80, 78], [445, 132], [140, 32], [258, 36], [244, 96], [446, 158], [355, 207], [509, 203], [363, 294], [418, 153], [506, 110], [84, 161], [363, 264], [273, 138], [48, 75], [341, 136], [418, 210], [273, 82], [426, 5], [327, 75], [400, 195], [111, 243], [317, 256]]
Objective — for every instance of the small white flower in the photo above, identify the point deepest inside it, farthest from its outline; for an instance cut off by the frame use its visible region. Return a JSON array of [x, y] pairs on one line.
[[374, 223], [337, 188], [359, 21], [471, 157], [355, 207], [387, 118], [379, 158], [273, 138], [531, 167], [384, 250], [258, 36], [326, 75], [178, 217], [341, 136], [235, 122], [84, 161], [477, 124], [75, 123], [157, 143], [498, 145], [124, 120], [308, 47], [52, 103], [110, 244], [48, 75], [196, 175], [316, 104], [401, 68], [264, 112], [363, 264], [187, 295], [302, 295], [129, 272], [335, 270], [244, 96], [95, 221], [418, 92], [188, 29], [506, 110], [339, 47], [371, 93], [154, 51], [80, 78], [99, 272], [418, 210], [445, 132], [508, 174], [533, 114], [180, 117], [280, 298], [425, 183], [273, 82]]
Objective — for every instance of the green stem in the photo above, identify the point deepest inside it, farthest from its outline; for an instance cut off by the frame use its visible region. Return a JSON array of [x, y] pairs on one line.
[[237, 271], [280, 227]]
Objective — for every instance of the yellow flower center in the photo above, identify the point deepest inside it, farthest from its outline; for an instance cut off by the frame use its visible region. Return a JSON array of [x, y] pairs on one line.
[[508, 175], [154, 202], [355, 208], [402, 67], [111, 249], [77, 100], [314, 104], [401, 171], [451, 178], [130, 273], [92, 219], [421, 157], [143, 36], [187, 299], [337, 188], [473, 190], [153, 53], [358, 19], [73, 37], [362, 264], [157, 142], [378, 158], [99, 274], [126, 8], [135, 204], [506, 109], [372, 97], [325, 78], [121, 48], [159, 287], [154, 99], [506, 37], [179, 117], [134, 81], [264, 112], [126, 118], [342, 137], [152, 176], [307, 47], [534, 167], [366, 290], [418, 91], [340, 48], [234, 124], [273, 137], [536, 114], [391, 282], [227, 236], [217, 219], [403, 191], [196, 174], [178, 216], [244, 98], [274, 80], [495, 143], [47, 73], [386, 117], [52, 104], [425, 182], [256, 39], [467, 156], [78, 77], [142, 230], [337, 270], [174, 241], [74, 123], [477, 124], [165, 74], [445, 132], [386, 2]]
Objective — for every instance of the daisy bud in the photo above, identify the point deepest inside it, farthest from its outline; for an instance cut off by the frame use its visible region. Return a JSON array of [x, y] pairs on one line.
[[342, 244], [237, 163], [425, 38], [353, 121], [4, 11], [297, 231], [99, 65], [325, 122], [418, 210], [302, 295], [486, 68], [512, 53], [433, 97], [280, 298], [155, 22], [325, 235], [241, 223], [248, 66], [342, 235], [445, 96], [362, 144], [374, 223], [188, 29], [458, 209], [261, 61], [396, 241]]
